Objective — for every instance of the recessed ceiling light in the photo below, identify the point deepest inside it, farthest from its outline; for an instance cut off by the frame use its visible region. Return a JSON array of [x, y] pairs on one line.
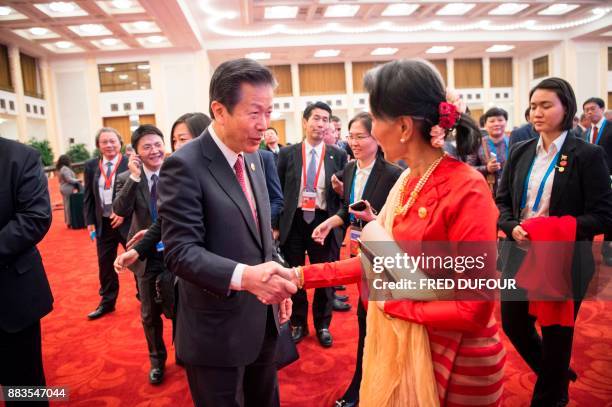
[[455, 9], [5, 11], [91, 28], [558, 9], [341, 10], [109, 69], [258, 55], [123, 76], [508, 9], [109, 42], [142, 25], [326, 53], [399, 9], [61, 7], [38, 30], [64, 44], [156, 39], [143, 67], [122, 4], [439, 49], [500, 48], [280, 12], [384, 51]]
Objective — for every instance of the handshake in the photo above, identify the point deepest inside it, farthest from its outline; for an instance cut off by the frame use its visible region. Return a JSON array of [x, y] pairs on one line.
[[270, 282]]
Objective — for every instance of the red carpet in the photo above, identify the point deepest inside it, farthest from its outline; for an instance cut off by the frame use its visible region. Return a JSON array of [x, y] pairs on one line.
[[104, 362]]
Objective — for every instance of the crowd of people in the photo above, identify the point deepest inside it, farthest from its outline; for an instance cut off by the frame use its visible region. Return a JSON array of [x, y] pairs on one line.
[[218, 233]]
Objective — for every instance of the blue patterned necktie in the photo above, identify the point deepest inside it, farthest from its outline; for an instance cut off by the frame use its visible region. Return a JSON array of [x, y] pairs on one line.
[[311, 174], [153, 198]]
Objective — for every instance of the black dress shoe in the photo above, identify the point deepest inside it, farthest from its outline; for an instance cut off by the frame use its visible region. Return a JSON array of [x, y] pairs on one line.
[[339, 287], [101, 310], [325, 338], [298, 333], [345, 403], [343, 298], [341, 306], [156, 375]]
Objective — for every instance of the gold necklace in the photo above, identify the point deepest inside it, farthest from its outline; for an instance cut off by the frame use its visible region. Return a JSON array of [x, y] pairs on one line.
[[399, 209]]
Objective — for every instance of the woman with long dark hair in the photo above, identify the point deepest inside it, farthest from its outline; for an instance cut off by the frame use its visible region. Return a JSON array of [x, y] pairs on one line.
[[69, 184]]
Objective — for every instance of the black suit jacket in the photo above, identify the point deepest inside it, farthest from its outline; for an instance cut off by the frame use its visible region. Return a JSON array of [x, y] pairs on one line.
[[605, 141], [266, 148], [290, 174], [133, 201], [207, 229], [92, 203], [523, 133], [275, 192], [381, 180], [582, 191], [25, 218]]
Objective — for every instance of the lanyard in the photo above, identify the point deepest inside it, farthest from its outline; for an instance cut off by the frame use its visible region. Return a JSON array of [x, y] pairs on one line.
[[536, 204], [316, 180], [108, 181], [494, 150], [599, 132]]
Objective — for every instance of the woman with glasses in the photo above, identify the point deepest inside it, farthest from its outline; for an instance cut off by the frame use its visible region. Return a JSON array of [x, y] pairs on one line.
[[368, 178]]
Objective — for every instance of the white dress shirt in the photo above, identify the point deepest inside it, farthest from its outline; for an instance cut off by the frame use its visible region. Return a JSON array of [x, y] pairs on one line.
[[361, 178], [542, 161], [598, 125], [101, 180], [148, 174], [321, 201]]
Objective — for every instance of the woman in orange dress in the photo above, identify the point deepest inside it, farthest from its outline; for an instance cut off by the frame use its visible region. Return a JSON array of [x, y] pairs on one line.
[[425, 353]]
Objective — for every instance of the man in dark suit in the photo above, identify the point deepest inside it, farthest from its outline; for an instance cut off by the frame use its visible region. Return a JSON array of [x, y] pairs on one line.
[[215, 217], [305, 170], [108, 229], [584, 124], [275, 192], [137, 198], [272, 144], [600, 133], [523, 133], [25, 295]]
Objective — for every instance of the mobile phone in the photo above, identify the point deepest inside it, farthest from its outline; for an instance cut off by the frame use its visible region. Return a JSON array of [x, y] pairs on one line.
[[358, 206]]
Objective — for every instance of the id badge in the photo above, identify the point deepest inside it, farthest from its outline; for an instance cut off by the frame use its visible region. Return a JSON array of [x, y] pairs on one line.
[[159, 246], [309, 200], [107, 196], [355, 234]]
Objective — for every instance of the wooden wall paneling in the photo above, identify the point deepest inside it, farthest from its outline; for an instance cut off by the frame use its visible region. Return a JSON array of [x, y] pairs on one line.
[[540, 67], [501, 72], [6, 82], [147, 119], [28, 72], [440, 65], [359, 71], [281, 129], [317, 79], [122, 125], [476, 113], [468, 73], [282, 73]]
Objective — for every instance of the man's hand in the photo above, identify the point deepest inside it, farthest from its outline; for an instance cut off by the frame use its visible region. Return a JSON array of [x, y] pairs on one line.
[[125, 259], [266, 282], [320, 232], [116, 220], [136, 238], [275, 234], [520, 235], [493, 166], [284, 311], [365, 215], [135, 166], [337, 185]]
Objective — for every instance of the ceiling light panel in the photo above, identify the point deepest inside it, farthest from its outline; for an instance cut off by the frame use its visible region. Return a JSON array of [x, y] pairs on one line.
[[62, 47], [9, 14], [120, 6], [90, 30], [279, 12], [399, 9], [327, 53], [500, 48], [59, 9], [258, 55], [341, 10], [36, 33], [384, 51], [154, 41], [439, 49], [141, 27], [455, 9], [558, 9], [110, 44], [508, 9]]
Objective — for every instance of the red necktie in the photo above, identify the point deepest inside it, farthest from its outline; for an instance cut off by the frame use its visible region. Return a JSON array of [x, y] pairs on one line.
[[594, 135], [239, 168]]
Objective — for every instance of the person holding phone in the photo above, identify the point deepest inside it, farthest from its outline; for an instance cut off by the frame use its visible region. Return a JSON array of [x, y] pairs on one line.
[[368, 180]]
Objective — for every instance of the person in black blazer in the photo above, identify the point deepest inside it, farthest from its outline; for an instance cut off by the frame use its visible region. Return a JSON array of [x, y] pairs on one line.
[[523, 133], [579, 186], [275, 192], [271, 143], [137, 198], [300, 181], [108, 229], [376, 178], [215, 218], [25, 295]]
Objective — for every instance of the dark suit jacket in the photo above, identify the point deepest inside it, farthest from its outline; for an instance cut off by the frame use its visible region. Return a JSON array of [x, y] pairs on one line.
[[266, 148], [25, 218], [381, 180], [133, 201], [605, 141], [92, 204], [290, 174], [582, 191], [275, 193], [207, 229], [523, 133]]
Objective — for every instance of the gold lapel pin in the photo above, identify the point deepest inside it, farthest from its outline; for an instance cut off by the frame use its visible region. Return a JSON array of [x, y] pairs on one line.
[[561, 169], [252, 167], [422, 212]]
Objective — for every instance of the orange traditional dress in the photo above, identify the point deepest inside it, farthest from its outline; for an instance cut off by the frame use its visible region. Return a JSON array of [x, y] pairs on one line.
[[461, 361]]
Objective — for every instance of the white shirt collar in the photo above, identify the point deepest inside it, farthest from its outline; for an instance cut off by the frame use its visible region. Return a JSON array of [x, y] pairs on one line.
[[230, 155], [365, 169], [600, 123], [558, 143], [113, 161], [148, 173], [318, 149]]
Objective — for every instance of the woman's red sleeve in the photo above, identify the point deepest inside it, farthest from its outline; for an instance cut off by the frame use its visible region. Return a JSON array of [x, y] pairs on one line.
[[329, 274]]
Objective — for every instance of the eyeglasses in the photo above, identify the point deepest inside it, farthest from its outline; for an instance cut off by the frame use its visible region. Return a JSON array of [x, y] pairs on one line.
[[358, 137]]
